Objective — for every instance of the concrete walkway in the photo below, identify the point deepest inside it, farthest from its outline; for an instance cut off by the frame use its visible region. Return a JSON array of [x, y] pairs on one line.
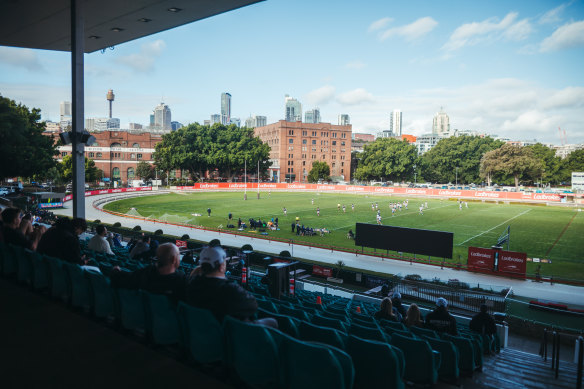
[[553, 292]]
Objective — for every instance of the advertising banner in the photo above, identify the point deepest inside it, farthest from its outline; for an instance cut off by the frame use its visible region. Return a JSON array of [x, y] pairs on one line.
[[513, 264], [181, 244], [322, 271], [481, 259]]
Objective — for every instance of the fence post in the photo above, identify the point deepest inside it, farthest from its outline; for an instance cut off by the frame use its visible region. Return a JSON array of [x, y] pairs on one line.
[[553, 349], [580, 362]]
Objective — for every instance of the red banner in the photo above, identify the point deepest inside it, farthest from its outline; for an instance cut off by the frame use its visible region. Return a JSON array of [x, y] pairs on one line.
[[481, 259], [181, 244], [322, 271], [513, 264]]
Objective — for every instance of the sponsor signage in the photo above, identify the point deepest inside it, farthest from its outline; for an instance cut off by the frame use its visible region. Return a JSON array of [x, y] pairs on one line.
[[51, 205], [322, 271], [181, 244], [481, 259], [512, 263]]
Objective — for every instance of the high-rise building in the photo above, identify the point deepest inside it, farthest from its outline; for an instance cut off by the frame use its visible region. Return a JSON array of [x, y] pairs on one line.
[[216, 118], [225, 108], [256, 121], [110, 98], [175, 125], [312, 116], [441, 123], [65, 109], [384, 134], [162, 117], [344, 120], [135, 126], [236, 121], [293, 110], [395, 122], [206, 122], [102, 124]]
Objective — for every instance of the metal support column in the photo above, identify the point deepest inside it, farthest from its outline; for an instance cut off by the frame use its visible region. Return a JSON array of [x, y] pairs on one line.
[[77, 96]]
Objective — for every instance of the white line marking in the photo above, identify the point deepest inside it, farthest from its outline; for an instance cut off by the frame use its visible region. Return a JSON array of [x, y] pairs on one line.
[[498, 225]]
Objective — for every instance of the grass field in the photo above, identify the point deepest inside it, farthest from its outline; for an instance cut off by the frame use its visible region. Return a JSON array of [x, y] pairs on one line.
[[554, 233]]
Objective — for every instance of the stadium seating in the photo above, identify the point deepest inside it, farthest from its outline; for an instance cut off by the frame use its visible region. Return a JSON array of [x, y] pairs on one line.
[[201, 334], [424, 332], [466, 352], [377, 364], [161, 319], [58, 279], [448, 370], [368, 333], [101, 294], [79, 286], [130, 310], [315, 333], [324, 321], [24, 272], [421, 362], [40, 272]]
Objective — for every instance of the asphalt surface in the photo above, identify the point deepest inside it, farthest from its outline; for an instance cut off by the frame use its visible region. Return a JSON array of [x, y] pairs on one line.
[[550, 292]]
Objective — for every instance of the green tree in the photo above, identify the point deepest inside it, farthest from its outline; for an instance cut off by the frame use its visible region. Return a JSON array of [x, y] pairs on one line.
[[24, 150], [551, 164], [92, 173], [144, 170], [574, 162], [511, 161], [319, 171], [457, 156], [388, 159]]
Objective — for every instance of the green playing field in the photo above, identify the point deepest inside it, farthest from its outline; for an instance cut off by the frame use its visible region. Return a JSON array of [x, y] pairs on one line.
[[545, 232]]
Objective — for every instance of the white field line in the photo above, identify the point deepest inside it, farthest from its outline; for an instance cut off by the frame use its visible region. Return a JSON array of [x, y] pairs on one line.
[[498, 225]]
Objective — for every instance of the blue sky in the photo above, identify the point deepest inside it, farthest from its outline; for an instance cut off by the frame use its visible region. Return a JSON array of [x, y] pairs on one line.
[[511, 68]]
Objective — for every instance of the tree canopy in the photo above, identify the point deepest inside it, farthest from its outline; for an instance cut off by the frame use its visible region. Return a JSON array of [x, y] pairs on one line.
[[511, 161], [319, 171], [197, 148], [457, 156], [388, 159], [92, 173], [24, 150], [144, 170]]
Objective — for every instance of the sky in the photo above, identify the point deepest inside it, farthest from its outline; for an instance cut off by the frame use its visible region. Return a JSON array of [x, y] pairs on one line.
[[507, 68]]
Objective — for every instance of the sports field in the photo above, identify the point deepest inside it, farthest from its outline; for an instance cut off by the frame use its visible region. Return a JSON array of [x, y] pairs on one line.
[[544, 232]]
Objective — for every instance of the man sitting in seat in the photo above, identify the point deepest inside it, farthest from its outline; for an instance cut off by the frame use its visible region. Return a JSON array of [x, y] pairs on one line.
[[440, 319], [208, 288], [98, 242], [62, 240], [12, 231], [161, 278], [483, 323], [141, 247]]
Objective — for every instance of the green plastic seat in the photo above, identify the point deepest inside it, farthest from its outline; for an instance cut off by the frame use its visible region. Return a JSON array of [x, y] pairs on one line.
[[327, 335], [424, 332], [40, 272], [131, 311], [335, 316], [466, 361], [10, 257], [377, 364], [324, 321], [201, 334], [422, 363], [101, 295], [393, 324], [161, 319], [449, 358], [267, 305], [80, 294], [364, 323], [294, 312], [252, 353], [286, 323], [24, 272], [58, 279], [367, 333]]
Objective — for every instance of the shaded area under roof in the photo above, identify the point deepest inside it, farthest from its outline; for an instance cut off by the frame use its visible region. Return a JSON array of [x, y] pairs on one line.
[[44, 24]]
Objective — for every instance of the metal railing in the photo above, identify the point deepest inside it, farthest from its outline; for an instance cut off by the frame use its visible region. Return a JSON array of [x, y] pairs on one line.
[[580, 343]]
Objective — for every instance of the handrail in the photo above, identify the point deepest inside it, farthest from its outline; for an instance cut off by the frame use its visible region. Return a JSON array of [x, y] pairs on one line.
[[543, 346], [580, 362], [556, 353]]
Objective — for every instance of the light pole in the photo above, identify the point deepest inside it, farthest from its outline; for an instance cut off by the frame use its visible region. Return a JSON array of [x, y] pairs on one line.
[[457, 176], [415, 175]]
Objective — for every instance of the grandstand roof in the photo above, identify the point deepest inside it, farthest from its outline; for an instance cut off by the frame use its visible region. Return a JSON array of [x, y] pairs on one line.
[[41, 24]]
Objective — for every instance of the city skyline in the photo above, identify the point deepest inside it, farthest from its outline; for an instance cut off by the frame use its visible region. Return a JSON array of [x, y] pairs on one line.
[[507, 69]]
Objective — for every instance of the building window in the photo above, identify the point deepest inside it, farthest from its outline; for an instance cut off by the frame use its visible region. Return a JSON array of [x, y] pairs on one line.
[[290, 132], [115, 145], [303, 163], [342, 170], [342, 164], [314, 141], [343, 135], [333, 164], [304, 133], [303, 141], [116, 172], [63, 154], [99, 155], [136, 145], [343, 143], [130, 173], [139, 156], [334, 142], [290, 140], [133, 156], [91, 155]]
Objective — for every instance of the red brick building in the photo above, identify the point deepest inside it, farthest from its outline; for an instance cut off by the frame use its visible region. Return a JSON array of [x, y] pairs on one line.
[[117, 153], [296, 145]]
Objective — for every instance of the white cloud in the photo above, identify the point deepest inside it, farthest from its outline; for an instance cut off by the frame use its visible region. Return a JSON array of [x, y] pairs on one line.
[[411, 31], [379, 24], [553, 15], [143, 61], [569, 97], [568, 36], [355, 65], [491, 29], [321, 96], [354, 97], [21, 58]]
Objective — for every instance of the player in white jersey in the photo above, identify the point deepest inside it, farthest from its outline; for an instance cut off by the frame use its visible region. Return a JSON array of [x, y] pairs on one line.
[[379, 219], [421, 209]]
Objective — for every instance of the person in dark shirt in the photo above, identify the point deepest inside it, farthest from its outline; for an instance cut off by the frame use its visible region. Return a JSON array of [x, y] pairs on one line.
[[209, 289], [397, 303], [483, 323], [12, 232], [62, 240], [387, 311], [162, 278], [440, 319]]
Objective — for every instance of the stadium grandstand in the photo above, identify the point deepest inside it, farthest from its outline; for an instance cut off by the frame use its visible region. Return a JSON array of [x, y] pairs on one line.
[[69, 324]]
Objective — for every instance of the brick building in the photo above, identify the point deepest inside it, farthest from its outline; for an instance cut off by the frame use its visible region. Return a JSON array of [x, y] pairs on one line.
[[117, 153], [296, 145]]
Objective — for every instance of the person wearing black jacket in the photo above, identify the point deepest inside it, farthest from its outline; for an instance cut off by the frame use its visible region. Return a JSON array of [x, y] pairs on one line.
[[208, 288], [161, 278], [483, 323], [440, 319], [62, 240]]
